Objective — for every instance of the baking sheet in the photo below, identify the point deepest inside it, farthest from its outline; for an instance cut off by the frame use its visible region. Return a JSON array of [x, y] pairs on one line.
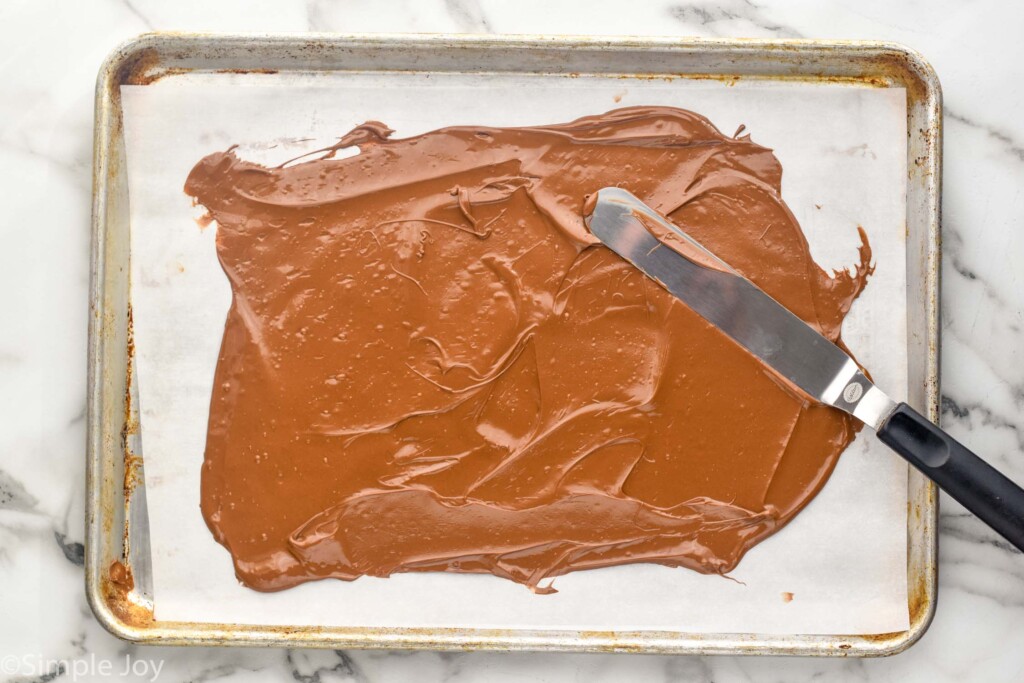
[[843, 148]]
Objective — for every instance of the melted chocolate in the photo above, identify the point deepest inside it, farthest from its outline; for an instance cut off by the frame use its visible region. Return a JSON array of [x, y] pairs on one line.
[[430, 365]]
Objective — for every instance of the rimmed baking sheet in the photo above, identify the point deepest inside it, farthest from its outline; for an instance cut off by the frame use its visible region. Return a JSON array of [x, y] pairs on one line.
[[832, 166]]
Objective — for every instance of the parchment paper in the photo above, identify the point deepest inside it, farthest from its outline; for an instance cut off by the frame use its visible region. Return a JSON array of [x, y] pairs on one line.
[[843, 150]]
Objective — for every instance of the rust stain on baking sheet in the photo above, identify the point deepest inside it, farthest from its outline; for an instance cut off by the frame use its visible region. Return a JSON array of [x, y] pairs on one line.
[[613, 641], [732, 79], [247, 71], [725, 79], [882, 638], [132, 462], [919, 603], [896, 69], [118, 587], [145, 68], [919, 600], [922, 590], [129, 427], [132, 474]]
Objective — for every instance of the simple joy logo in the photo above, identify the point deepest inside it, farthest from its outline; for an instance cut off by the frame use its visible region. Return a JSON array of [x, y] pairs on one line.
[[87, 668]]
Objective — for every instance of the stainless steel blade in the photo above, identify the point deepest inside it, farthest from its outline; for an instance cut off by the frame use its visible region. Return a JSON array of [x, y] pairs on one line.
[[737, 307]]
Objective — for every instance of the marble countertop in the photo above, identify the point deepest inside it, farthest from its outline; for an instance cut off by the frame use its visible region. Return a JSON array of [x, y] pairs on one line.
[[50, 55]]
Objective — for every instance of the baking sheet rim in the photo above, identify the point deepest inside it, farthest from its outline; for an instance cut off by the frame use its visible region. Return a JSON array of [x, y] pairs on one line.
[[109, 423]]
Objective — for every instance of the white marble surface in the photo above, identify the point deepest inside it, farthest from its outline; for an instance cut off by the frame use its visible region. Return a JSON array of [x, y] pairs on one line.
[[49, 54]]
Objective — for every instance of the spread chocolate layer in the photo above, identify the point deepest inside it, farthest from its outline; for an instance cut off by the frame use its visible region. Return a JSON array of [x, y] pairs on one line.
[[429, 364]]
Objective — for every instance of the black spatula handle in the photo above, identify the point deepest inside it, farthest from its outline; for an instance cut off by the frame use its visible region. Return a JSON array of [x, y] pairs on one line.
[[978, 486]]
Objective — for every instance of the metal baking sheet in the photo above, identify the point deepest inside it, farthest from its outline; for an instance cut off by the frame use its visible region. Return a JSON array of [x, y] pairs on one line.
[[116, 513]]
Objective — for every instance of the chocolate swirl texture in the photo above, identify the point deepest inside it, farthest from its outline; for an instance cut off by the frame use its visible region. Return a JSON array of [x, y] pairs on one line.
[[429, 364]]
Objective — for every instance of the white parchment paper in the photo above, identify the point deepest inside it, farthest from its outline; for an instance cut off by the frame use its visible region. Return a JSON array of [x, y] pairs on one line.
[[843, 150]]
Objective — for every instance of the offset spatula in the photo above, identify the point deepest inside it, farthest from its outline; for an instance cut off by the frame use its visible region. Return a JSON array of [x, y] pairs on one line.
[[799, 354]]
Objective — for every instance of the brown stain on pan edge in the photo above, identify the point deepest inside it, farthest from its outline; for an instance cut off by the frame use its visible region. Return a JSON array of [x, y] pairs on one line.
[[144, 68], [132, 463], [248, 71], [117, 587]]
